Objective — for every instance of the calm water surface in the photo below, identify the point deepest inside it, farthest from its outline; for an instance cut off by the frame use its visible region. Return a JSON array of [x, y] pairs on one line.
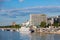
[[7, 35]]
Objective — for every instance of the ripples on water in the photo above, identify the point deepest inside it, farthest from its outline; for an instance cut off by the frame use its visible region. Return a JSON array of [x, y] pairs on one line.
[[7, 35]]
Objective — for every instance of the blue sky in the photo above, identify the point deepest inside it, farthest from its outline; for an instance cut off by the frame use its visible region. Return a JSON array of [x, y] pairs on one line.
[[19, 10], [7, 4]]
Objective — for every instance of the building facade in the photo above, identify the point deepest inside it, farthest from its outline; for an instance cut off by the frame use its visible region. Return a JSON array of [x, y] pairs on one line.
[[36, 19], [13, 23], [50, 20], [57, 19], [53, 20]]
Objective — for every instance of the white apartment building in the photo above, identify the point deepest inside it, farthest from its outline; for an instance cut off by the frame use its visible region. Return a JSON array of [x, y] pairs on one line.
[[50, 20], [36, 19]]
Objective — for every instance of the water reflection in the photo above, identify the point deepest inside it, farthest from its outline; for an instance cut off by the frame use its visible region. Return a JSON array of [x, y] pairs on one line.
[[7, 35], [25, 36], [42, 36]]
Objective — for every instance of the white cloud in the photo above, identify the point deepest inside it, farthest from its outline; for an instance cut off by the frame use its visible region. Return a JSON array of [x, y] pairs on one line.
[[27, 9], [21, 0]]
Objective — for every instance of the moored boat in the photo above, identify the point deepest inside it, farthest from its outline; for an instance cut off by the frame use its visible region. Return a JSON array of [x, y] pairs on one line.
[[24, 30]]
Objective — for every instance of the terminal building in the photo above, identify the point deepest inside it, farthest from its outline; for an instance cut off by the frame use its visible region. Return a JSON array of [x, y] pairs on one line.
[[36, 19]]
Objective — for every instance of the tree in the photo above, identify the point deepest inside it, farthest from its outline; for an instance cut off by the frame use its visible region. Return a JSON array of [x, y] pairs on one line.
[[48, 25], [16, 26], [55, 24], [43, 24]]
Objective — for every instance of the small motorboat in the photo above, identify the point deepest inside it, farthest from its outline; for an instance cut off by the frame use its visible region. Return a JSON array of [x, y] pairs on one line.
[[7, 29], [31, 30]]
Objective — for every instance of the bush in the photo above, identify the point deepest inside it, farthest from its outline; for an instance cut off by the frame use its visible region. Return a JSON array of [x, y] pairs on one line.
[[43, 24]]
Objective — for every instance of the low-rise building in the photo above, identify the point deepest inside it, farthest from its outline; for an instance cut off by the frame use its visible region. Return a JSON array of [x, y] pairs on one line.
[[50, 20]]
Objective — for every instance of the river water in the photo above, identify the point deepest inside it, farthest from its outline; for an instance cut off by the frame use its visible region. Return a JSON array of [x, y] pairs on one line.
[[7, 35]]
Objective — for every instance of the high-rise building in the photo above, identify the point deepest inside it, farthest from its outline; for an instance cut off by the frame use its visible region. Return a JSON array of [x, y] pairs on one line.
[[36, 19]]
